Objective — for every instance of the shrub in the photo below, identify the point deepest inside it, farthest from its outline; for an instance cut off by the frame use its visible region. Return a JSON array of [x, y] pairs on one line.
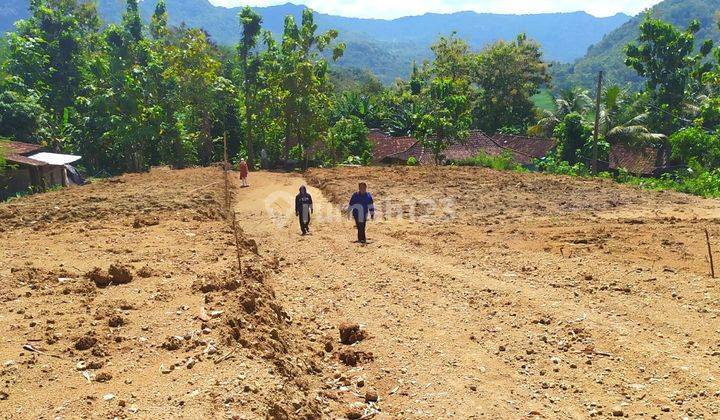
[[694, 146], [555, 165], [412, 161], [504, 162]]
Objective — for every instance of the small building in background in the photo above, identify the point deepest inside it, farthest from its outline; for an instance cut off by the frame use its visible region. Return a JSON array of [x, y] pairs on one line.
[[31, 169]]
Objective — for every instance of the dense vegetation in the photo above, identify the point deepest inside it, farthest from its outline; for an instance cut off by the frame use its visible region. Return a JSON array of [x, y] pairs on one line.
[[128, 96], [677, 113], [609, 55]]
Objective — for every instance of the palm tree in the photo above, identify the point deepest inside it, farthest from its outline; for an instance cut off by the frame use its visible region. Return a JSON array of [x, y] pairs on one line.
[[568, 101], [633, 132], [573, 100]]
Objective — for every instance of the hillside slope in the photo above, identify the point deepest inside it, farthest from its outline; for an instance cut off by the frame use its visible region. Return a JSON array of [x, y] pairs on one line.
[[387, 47], [608, 54]]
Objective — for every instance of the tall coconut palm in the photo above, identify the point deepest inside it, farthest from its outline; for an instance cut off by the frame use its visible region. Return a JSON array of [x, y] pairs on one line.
[[568, 101]]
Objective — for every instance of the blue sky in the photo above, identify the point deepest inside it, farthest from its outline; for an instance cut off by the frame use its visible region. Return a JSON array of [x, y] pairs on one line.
[[388, 9]]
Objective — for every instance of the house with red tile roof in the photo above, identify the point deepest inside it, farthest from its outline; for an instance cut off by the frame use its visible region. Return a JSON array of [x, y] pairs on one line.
[[645, 161], [525, 150]]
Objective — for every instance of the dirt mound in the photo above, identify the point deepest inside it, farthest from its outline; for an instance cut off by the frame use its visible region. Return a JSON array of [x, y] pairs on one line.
[[195, 338], [115, 275], [351, 333]]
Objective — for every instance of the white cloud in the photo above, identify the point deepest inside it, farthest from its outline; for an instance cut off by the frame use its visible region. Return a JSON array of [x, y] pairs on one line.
[[388, 9]]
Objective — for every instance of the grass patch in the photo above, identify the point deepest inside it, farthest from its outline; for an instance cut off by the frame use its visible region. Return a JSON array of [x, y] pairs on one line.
[[544, 100]]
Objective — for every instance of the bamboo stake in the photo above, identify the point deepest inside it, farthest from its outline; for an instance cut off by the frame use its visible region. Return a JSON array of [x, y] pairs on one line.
[[709, 248], [225, 174], [237, 240]]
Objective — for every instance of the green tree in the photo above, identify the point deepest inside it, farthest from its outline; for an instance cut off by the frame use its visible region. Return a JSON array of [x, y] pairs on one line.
[[508, 75], [48, 52], [251, 24], [349, 138], [305, 81], [696, 147], [448, 116], [572, 134], [159, 21], [452, 59], [665, 56]]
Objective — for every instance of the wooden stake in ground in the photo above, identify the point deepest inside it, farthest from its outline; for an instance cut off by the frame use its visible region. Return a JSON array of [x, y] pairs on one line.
[[237, 240], [712, 263], [225, 174], [597, 125]]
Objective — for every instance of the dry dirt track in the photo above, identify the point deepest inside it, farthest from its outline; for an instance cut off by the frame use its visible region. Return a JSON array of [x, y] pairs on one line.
[[523, 296], [541, 296]]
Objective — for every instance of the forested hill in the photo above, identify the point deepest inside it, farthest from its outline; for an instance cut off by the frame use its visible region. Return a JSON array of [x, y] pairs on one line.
[[608, 55], [386, 47]]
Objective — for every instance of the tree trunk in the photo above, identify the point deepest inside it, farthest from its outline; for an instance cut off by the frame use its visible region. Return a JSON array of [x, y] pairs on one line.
[[248, 127]]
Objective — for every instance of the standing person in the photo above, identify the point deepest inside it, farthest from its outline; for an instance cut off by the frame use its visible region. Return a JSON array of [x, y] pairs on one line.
[[264, 159], [361, 204], [244, 173], [303, 209]]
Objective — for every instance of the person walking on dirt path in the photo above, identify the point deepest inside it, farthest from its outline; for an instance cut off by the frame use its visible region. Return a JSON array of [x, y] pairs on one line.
[[244, 173], [361, 205], [303, 209]]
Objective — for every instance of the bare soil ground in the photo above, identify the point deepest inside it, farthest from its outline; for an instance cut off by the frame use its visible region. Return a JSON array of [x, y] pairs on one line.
[[171, 331], [481, 294]]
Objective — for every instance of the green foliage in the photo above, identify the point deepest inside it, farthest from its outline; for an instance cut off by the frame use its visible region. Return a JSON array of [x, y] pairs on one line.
[[543, 100], [508, 75], [3, 153], [412, 161], [504, 162], [572, 134], [704, 183], [696, 147], [348, 138], [448, 116], [554, 164], [664, 56]]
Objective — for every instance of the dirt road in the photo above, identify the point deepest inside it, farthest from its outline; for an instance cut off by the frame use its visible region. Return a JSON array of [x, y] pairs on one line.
[[483, 295], [531, 302]]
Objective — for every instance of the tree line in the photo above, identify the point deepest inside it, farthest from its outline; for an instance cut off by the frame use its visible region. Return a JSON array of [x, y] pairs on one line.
[[132, 95]]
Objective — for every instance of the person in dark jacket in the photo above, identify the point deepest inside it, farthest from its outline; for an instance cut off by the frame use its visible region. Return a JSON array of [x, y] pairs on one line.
[[303, 209], [361, 206]]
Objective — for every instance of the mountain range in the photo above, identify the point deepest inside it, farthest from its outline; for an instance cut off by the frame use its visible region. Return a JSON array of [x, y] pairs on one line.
[[386, 47], [608, 54]]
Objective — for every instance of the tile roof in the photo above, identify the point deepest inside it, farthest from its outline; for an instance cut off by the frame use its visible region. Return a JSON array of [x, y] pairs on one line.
[[23, 160], [643, 161], [385, 145], [525, 149], [20, 148]]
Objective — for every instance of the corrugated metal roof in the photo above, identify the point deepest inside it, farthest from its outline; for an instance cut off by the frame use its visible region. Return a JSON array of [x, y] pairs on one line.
[[55, 158]]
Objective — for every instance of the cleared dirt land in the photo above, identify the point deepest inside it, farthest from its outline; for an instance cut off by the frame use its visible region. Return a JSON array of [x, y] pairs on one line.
[[480, 295]]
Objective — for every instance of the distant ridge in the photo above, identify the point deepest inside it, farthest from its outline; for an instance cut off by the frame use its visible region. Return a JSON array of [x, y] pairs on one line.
[[387, 47], [608, 54]]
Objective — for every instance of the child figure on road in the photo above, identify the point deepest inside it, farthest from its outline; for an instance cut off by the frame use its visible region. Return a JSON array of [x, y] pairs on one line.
[[244, 173]]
